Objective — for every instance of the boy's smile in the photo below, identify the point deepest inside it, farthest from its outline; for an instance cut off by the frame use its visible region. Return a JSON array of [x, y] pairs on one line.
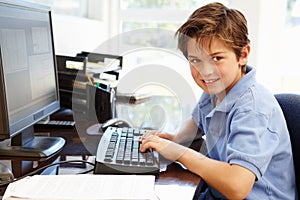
[[210, 82]]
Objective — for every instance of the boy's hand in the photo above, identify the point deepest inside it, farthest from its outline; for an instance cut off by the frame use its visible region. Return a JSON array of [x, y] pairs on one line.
[[161, 134], [160, 143]]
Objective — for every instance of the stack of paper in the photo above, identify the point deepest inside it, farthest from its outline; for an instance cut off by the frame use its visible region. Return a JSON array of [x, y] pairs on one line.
[[81, 187]]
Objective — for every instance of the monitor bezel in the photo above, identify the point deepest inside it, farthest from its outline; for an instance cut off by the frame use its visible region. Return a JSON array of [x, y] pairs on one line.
[[11, 130]]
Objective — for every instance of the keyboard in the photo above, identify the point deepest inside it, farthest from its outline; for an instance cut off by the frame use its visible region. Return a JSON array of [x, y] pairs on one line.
[[119, 153], [55, 124]]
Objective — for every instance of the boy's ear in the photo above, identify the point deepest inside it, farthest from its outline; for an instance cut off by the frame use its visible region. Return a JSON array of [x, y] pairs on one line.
[[244, 55]]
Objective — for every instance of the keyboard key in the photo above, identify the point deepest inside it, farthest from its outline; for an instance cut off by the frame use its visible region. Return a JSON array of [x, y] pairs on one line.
[[136, 132]]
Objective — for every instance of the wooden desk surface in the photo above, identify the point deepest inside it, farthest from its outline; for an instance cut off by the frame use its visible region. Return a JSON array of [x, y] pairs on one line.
[[77, 140], [176, 183], [177, 175]]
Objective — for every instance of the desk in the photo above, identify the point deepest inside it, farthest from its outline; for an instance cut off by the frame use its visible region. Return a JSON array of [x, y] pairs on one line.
[[175, 180], [21, 166], [177, 175], [85, 186], [79, 143], [183, 183]]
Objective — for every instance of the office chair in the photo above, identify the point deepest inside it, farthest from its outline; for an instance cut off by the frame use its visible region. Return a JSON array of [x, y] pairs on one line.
[[290, 105]]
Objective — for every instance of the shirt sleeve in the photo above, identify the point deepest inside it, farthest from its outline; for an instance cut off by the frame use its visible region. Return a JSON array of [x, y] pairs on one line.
[[252, 141]]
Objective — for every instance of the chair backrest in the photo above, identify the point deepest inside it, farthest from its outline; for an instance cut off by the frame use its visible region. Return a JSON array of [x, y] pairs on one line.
[[290, 105]]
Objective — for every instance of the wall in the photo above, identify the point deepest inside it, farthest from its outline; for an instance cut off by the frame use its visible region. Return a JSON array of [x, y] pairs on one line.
[[74, 34], [266, 21]]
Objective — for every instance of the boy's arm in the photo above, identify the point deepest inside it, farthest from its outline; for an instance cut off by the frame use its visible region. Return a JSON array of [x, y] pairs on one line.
[[187, 132], [233, 181]]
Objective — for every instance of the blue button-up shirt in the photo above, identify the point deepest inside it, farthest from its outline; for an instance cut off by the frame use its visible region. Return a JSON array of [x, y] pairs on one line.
[[248, 129]]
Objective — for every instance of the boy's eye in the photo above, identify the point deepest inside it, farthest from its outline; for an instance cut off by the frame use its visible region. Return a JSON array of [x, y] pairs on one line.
[[216, 58], [194, 60]]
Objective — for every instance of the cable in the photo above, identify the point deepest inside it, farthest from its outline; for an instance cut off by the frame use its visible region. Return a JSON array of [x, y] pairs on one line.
[[50, 165], [86, 172]]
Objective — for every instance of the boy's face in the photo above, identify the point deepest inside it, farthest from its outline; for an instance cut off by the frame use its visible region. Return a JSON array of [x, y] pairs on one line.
[[215, 67]]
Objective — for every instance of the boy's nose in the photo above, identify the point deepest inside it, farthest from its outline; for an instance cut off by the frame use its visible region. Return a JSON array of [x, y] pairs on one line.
[[207, 69]]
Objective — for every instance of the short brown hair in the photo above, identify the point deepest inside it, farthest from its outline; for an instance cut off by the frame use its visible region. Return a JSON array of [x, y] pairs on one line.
[[215, 20]]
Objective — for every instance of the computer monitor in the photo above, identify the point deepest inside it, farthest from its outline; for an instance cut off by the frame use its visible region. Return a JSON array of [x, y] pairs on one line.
[[28, 76]]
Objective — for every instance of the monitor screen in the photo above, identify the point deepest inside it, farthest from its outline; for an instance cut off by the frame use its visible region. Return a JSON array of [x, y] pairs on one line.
[[29, 90]]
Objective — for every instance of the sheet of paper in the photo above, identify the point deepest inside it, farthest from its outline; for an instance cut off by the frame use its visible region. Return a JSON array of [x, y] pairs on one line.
[[82, 187], [174, 192]]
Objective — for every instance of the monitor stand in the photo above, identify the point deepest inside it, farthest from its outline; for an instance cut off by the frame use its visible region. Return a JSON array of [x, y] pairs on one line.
[[25, 144]]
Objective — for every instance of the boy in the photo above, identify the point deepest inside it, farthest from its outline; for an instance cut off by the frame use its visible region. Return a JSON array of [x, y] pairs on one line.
[[249, 150]]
